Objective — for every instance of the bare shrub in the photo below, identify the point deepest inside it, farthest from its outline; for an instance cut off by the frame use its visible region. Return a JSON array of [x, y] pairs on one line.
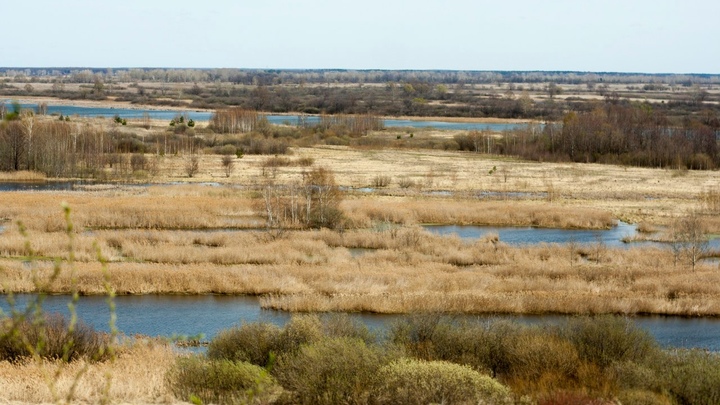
[[228, 164], [603, 340], [688, 238], [192, 166], [138, 161], [406, 182], [305, 161], [711, 200], [381, 180], [50, 337]]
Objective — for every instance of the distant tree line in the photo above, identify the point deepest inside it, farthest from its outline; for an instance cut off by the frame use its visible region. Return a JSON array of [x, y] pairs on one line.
[[634, 135], [308, 76]]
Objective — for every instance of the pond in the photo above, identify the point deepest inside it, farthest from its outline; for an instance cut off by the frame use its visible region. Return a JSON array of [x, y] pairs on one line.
[[69, 185], [530, 235], [517, 236], [176, 315], [291, 119], [41, 185]]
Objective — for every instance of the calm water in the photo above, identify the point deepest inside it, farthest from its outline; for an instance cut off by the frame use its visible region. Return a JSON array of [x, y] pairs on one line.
[[200, 116], [40, 185], [163, 315], [529, 235], [78, 185]]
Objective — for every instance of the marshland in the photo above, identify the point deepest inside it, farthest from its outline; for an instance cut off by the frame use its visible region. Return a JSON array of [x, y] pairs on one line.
[[334, 213]]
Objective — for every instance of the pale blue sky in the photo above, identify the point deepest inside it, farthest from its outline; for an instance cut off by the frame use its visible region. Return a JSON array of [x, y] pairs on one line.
[[609, 35]]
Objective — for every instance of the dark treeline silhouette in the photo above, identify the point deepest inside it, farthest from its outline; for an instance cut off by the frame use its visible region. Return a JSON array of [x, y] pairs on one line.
[[528, 95], [299, 76], [625, 134]]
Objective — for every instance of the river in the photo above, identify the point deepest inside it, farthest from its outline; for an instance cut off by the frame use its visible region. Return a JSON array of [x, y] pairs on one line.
[[204, 116], [176, 315]]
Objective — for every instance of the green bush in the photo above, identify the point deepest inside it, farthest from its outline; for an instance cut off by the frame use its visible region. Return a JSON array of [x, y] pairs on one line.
[[252, 342], [692, 376], [50, 338], [640, 397], [633, 376], [341, 325], [302, 329], [484, 347], [534, 354], [606, 339], [329, 371], [417, 334], [219, 381], [409, 382]]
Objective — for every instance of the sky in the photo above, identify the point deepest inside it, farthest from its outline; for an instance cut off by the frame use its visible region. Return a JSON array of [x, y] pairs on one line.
[[658, 36]]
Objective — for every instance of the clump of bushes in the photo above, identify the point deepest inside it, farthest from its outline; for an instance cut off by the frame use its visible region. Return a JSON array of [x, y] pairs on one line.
[[251, 343], [411, 381], [329, 371], [437, 359], [219, 381], [50, 337]]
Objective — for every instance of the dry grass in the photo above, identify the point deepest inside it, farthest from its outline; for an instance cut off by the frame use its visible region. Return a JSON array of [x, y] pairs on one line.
[[136, 376], [632, 194], [22, 175], [409, 271], [152, 237], [159, 207], [472, 212]]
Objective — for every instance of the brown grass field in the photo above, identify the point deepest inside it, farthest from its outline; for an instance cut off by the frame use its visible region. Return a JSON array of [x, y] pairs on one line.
[[201, 238], [207, 235], [136, 376]]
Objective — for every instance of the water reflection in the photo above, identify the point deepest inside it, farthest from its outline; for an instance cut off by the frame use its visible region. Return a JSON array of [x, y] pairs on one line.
[[168, 315], [201, 116], [529, 235]]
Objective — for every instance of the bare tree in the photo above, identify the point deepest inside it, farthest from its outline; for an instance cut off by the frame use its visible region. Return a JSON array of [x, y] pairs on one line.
[[322, 198], [146, 122], [192, 166], [688, 238], [13, 146], [228, 164]]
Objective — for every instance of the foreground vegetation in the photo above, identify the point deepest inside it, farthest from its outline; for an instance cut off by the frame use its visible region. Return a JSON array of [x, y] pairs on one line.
[[422, 359], [328, 217]]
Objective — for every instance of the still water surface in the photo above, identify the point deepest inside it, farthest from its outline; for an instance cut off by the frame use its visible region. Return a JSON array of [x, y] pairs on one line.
[[165, 315], [202, 116]]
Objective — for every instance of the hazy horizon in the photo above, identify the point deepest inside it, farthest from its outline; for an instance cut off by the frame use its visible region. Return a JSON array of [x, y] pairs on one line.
[[612, 36]]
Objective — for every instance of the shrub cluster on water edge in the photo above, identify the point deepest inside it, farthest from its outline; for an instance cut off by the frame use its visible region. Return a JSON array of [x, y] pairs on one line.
[[433, 358], [50, 337], [32, 334]]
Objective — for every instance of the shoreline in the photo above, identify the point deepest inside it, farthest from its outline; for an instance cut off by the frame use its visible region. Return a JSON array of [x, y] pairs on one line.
[[710, 316], [111, 103]]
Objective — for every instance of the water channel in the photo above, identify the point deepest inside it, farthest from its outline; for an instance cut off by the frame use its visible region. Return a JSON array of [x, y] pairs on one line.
[[290, 119], [175, 315]]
